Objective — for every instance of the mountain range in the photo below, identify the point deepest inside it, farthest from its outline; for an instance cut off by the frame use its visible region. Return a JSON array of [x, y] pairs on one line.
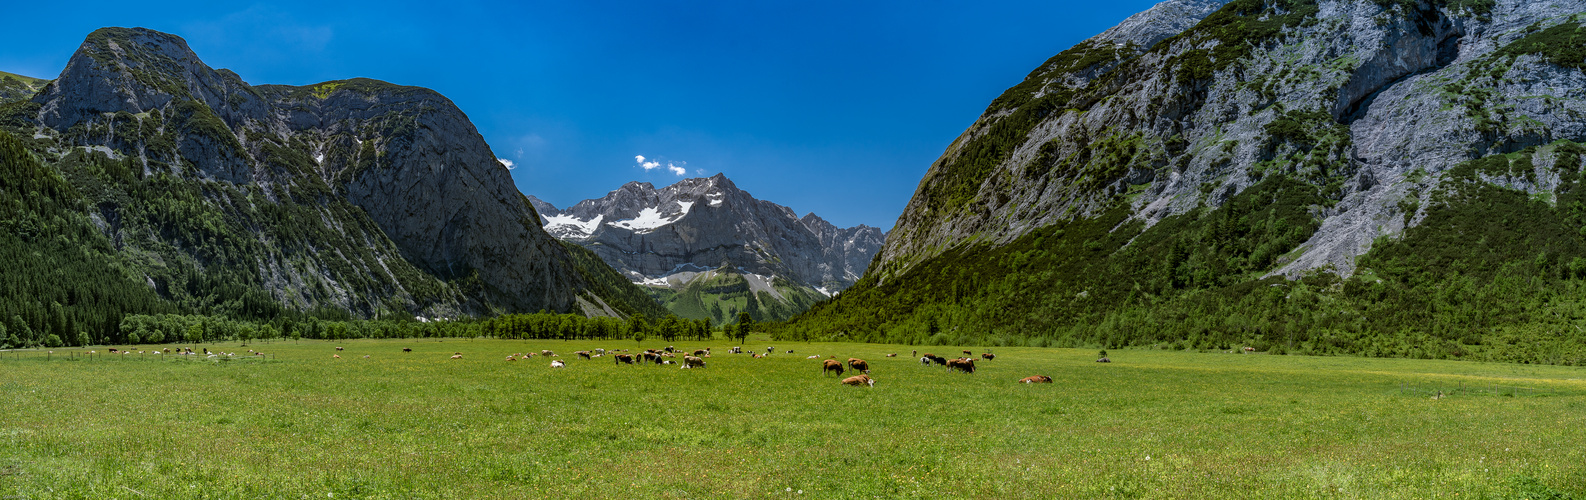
[[1381, 177], [706, 248], [188, 188]]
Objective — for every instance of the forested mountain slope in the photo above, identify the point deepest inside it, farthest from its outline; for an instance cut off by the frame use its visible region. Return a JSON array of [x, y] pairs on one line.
[[1367, 176], [148, 181]]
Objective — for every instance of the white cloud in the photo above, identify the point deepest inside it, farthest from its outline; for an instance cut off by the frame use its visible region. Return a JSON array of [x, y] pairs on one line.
[[651, 165], [699, 171], [638, 158], [507, 163], [676, 169], [676, 166]]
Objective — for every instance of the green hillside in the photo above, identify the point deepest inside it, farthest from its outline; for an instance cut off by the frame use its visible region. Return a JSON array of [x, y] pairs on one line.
[[1492, 273], [721, 294], [14, 87]]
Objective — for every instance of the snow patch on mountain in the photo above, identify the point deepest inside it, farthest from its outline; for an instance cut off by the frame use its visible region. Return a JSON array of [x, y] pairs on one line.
[[651, 219], [568, 226]]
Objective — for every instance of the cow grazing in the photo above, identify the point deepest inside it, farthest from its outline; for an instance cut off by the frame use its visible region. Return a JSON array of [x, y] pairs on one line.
[[623, 358], [512, 358], [924, 360], [1037, 379], [969, 353], [965, 365], [859, 364], [583, 354], [860, 379], [407, 349], [338, 348], [735, 350], [693, 362], [790, 351], [557, 363], [988, 356], [769, 349], [670, 349], [600, 351], [893, 355], [546, 353], [701, 352], [832, 365], [934, 359]]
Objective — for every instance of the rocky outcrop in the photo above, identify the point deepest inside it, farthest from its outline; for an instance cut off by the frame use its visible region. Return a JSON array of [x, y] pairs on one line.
[[1351, 97], [358, 194], [708, 223]]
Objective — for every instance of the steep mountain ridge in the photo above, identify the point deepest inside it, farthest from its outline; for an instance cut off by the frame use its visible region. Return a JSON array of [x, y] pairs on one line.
[[702, 228], [1215, 107], [1282, 173], [354, 194]]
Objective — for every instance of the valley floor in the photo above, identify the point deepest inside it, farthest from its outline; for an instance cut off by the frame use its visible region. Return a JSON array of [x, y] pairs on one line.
[[1151, 424]]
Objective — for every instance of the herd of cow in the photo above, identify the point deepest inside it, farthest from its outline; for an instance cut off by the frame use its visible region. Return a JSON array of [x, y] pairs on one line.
[[696, 359]]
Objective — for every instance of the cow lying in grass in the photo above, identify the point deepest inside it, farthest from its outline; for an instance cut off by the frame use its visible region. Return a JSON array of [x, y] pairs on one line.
[[860, 379], [693, 362], [1037, 379], [832, 365]]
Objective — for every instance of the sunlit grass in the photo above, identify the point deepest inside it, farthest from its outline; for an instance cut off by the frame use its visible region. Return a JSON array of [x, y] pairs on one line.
[[402, 425]]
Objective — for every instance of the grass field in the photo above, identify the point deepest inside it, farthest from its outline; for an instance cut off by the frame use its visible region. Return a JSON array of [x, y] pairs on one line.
[[1152, 424]]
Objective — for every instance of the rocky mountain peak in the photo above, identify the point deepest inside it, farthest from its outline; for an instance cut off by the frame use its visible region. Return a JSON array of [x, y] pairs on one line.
[[708, 222]]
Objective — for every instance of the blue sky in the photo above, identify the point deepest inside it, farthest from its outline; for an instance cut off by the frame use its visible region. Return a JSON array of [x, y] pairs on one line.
[[832, 107]]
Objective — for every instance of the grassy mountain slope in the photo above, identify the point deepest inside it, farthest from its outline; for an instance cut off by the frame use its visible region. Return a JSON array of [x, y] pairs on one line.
[[1493, 273], [722, 294]]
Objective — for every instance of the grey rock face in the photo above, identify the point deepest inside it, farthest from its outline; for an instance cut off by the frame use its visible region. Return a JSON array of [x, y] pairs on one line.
[[1392, 89], [705, 223], [407, 157]]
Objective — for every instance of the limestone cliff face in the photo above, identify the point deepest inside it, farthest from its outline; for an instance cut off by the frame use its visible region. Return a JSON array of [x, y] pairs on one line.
[[359, 194], [707, 223], [1194, 101]]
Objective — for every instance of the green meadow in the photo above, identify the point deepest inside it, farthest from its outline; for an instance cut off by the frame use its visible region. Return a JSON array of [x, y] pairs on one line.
[[299, 423]]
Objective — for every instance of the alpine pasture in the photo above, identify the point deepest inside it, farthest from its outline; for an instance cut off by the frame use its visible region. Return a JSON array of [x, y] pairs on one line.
[[378, 422]]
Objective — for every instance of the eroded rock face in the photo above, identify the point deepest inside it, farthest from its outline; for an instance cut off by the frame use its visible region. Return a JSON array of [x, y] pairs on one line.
[[707, 223], [429, 189], [1350, 96]]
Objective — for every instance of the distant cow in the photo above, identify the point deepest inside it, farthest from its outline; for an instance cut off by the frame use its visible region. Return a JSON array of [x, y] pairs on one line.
[[546, 353], [1037, 379], [557, 363], [860, 379], [693, 362], [701, 352], [1104, 359], [583, 354], [670, 349], [623, 358], [988, 356], [969, 353], [934, 359], [965, 365], [893, 355], [832, 365], [457, 356], [859, 364], [407, 349]]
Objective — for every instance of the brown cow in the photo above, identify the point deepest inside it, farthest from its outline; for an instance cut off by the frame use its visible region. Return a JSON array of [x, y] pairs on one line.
[[965, 365], [338, 348], [860, 379], [893, 355], [582, 354], [832, 365], [701, 352], [693, 362], [859, 364], [623, 358], [988, 356], [1037, 379], [546, 353], [969, 353], [934, 359]]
